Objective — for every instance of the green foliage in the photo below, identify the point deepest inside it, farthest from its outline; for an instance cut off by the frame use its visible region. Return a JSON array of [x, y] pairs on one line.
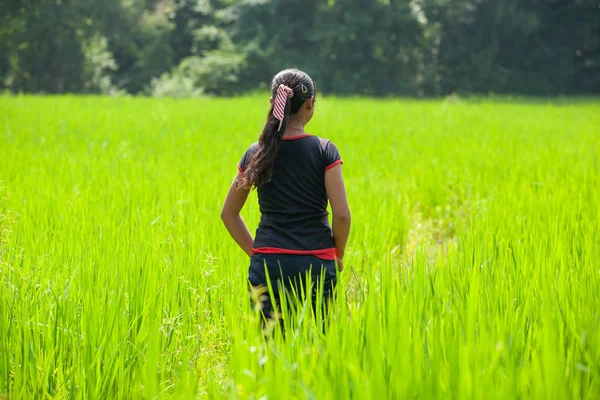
[[375, 48], [98, 64], [215, 61], [471, 270], [178, 83], [514, 46], [43, 40], [216, 73], [141, 45]]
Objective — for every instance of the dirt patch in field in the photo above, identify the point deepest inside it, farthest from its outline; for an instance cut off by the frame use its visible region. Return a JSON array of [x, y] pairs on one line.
[[433, 236]]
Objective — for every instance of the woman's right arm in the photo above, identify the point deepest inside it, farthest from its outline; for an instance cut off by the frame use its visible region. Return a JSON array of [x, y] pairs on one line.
[[336, 191]]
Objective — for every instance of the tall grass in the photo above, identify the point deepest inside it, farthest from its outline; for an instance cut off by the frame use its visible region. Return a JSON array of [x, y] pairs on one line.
[[472, 269]]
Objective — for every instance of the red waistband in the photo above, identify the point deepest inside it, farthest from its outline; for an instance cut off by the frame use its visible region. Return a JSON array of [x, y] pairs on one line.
[[325, 254]]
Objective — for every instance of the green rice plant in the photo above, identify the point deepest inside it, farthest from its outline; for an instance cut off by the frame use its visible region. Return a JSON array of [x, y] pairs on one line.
[[472, 268]]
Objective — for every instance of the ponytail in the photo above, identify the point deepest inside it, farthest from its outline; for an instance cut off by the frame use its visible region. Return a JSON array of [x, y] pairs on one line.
[[260, 169], [290, 90]]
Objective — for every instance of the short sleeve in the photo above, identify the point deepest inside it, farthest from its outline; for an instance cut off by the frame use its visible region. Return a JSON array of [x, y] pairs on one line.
[[332, 156], [246, 158]]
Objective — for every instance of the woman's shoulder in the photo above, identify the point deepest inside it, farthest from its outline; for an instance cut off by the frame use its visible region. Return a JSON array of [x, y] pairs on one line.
[[326, 145], [329, 151], [247, 156], [252, 148], [322, 141]]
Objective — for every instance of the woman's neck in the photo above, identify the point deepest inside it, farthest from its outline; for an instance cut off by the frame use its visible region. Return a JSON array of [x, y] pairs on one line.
[[293, 131], [295, 127]]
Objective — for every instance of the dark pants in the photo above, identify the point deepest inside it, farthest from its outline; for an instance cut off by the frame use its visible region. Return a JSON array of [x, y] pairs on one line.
[[287, 275]]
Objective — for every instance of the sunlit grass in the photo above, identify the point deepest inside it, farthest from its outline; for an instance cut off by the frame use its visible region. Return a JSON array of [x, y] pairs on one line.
[[472, 269]]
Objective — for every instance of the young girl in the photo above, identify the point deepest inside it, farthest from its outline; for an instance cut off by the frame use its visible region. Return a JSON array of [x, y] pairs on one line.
[[295, 174]]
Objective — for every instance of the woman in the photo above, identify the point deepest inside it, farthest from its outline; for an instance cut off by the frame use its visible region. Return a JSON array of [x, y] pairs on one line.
[[295, 174]]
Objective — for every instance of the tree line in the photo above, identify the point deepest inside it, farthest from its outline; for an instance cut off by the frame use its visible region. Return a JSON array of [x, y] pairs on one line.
[[350, 47]]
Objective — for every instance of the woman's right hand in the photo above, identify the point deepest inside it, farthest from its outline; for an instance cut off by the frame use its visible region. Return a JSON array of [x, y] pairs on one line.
[[340, 264]]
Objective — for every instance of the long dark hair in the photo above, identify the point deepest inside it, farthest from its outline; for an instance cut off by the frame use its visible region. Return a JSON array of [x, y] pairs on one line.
[[260, 169]]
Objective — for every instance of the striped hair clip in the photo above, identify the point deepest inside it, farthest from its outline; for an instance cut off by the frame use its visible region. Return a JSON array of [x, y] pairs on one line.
[[283, 94]]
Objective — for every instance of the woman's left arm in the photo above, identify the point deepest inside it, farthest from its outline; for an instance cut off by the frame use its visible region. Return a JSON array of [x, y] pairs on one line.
[[230, 214]]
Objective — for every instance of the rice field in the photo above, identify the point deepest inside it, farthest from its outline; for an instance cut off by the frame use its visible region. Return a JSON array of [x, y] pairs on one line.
[[472, 269]]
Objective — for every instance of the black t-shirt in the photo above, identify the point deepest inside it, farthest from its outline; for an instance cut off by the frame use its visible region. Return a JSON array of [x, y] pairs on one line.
[[293, 205]]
